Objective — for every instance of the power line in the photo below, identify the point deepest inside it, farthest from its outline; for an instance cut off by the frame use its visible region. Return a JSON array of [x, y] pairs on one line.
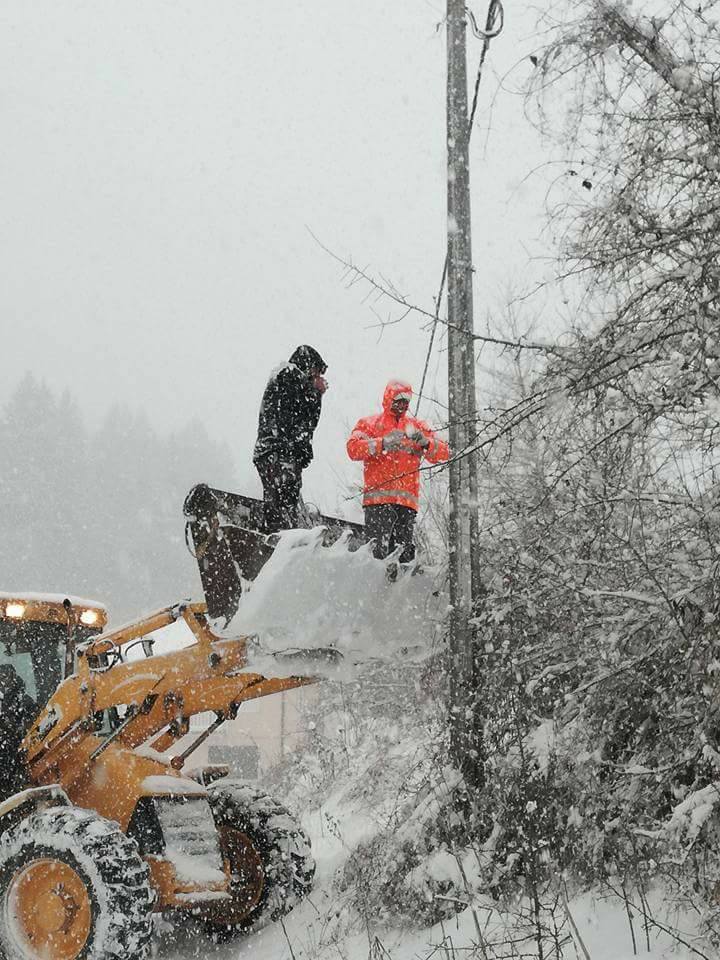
[[432, 335]]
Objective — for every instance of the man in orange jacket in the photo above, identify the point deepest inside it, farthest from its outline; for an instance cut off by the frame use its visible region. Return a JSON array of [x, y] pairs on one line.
[[392, 445]]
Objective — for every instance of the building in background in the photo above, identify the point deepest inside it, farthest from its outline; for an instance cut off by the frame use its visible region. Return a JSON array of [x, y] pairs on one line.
[[265, 730]]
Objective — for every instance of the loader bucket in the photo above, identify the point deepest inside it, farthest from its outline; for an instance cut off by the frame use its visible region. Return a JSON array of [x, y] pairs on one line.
[[230, 545]]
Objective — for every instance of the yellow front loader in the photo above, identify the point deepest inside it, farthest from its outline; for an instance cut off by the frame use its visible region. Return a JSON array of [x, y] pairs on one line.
[[108, 831]]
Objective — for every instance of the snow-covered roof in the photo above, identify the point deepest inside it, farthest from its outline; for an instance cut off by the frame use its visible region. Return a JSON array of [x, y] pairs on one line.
[[30, 597]]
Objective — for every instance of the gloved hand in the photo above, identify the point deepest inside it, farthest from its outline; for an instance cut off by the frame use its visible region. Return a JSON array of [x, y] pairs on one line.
[[418, 437], [393, 441], [303, 453]]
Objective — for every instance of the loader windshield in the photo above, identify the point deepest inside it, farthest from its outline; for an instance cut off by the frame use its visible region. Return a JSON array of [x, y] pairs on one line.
[[37, 652], [23, 667]]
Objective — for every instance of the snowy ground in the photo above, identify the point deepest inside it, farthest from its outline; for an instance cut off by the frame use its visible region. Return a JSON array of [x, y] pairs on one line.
[[321, 929]]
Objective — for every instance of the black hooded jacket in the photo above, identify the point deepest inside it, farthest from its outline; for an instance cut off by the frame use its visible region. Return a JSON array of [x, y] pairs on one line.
[[290, 410]]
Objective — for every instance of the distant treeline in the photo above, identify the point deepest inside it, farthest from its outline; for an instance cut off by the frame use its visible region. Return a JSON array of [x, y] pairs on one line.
[[98, 512]]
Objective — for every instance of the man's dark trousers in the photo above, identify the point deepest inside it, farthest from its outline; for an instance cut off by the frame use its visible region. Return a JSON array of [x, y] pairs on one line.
[[391, 526], [282, 481]]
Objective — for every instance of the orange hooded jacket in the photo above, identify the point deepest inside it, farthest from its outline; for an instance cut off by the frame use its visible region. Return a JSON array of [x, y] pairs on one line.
[[393, 476]]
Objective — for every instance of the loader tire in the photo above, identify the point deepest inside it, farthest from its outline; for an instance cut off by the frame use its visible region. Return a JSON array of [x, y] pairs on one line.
[[268, 853], [73, 887]]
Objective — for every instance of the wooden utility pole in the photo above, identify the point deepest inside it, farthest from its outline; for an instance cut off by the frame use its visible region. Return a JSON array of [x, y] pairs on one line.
[[464, 585]]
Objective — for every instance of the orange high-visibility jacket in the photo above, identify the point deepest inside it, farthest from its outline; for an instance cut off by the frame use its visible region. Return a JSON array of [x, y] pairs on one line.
[[393, 476]]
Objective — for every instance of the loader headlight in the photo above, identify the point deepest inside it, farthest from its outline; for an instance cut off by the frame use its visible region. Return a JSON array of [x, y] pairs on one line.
[[15, 610], [89, 617]]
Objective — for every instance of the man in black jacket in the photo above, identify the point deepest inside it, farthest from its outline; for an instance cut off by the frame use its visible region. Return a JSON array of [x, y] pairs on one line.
[[289, 413]]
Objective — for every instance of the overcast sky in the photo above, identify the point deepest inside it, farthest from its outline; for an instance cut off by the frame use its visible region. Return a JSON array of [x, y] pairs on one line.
[[162, 160]]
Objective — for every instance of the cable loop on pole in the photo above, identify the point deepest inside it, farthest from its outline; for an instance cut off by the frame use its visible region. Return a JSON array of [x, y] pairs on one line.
[[496, 22]]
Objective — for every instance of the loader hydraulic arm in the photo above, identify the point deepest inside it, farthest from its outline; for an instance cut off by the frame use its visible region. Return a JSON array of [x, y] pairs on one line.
[[159, 693]]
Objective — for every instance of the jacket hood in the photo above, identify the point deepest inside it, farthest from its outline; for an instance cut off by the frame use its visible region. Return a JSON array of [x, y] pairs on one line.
[[395, 389], [307, 358]]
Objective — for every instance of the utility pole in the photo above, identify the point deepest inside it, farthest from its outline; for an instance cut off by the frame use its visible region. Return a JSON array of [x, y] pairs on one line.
[[464, 562]]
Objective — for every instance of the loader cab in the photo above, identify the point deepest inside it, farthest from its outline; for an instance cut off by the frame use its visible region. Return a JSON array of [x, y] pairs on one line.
[[39, 634]]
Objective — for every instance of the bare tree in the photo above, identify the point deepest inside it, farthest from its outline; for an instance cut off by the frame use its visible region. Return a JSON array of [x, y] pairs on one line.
[[641, 116]]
